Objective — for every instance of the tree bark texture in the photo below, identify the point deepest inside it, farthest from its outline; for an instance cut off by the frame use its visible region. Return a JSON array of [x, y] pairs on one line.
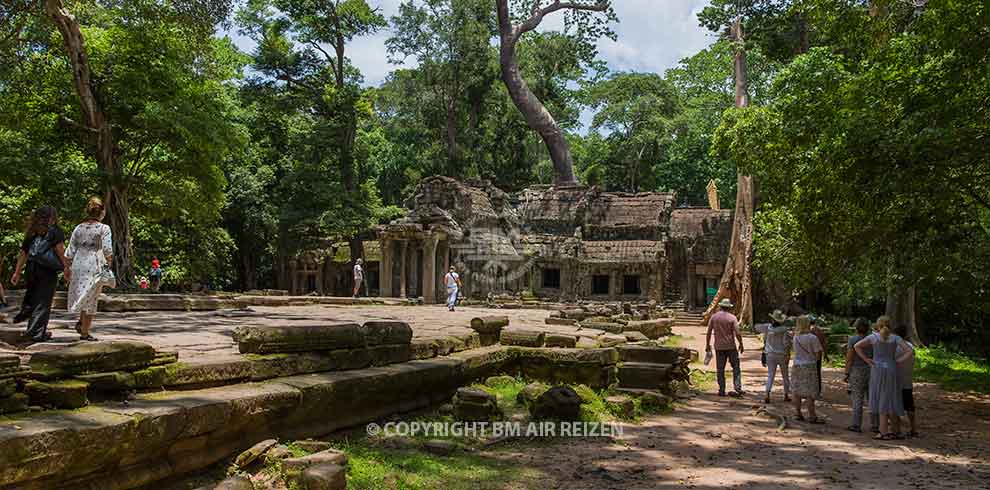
[[99, 128], [736, 283], [901, 308], [536, 114]]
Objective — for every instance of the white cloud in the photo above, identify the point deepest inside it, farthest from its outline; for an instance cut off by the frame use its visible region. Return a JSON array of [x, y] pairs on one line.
[[653, 35]]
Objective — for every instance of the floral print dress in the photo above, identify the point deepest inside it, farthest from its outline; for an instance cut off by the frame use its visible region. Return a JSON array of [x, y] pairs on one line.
[[89, 247]]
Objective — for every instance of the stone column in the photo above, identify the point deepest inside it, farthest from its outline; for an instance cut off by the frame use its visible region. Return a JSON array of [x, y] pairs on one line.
[[429, 289], [385, 269], [293, 276], [689, 292], [443, 250], [403, 263]]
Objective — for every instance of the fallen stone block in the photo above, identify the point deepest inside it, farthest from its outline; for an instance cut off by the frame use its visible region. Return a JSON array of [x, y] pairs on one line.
[[560, 340], [323, 477], [422, 348], [557, 403], [611, 340], [112, 381], [18, 402], [523, 338], [255, 452], [92, 357], [653, 329], [329, 456], [553, 320], [489, 324], [298, 338], [528, 395], [621, 406], [311, 446], [387, 332], [574, 313], [382, 355], [590, 333], [166, 357], [635, 336], [603, 326], [644, 375], [474, 405], [655, 355], [19, 372], [7, 387], [68, 394], [471, 340]]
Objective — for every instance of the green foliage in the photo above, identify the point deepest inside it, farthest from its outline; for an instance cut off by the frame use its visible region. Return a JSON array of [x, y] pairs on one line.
[[951, 369]]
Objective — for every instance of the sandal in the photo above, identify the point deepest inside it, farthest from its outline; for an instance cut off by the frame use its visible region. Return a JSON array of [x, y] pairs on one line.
[[816, 421], [88, 338], [885, 437]]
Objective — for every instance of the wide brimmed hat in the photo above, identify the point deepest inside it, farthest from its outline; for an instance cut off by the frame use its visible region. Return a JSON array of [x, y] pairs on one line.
[[726, 303], [778, 316]]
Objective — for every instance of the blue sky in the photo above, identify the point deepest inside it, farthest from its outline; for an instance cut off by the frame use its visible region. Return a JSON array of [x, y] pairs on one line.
[[653, 35]]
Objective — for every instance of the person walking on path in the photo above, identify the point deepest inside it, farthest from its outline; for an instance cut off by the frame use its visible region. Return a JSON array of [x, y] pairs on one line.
[[358, 276], [905, 376], [43, 254], [155, 274], [777, 348], [725, 328], [804, 374], [886, 398], [453, 283], [858, 376], [91, 254]]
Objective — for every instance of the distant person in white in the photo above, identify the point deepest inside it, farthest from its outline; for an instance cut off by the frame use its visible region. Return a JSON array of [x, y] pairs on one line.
[[453, 283], [358, 276]]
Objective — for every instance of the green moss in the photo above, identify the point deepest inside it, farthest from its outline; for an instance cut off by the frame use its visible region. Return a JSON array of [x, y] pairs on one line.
[[676, 340], [952, 370], [702, 380], [372, 468]]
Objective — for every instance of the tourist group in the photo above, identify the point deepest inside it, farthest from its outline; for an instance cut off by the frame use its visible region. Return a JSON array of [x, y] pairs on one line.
[[879, 366], [84, 261]]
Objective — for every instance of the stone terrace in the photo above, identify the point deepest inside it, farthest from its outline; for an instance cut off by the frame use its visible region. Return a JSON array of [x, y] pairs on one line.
[[206, 336]]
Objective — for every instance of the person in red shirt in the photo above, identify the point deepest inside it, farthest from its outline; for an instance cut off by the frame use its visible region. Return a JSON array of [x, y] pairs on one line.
[[725, 328], [156, 273]]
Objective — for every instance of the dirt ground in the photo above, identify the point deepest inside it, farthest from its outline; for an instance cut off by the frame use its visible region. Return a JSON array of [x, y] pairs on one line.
[[710, 442]]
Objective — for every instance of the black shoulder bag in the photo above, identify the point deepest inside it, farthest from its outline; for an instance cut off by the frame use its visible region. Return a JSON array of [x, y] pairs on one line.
[[42, 254]]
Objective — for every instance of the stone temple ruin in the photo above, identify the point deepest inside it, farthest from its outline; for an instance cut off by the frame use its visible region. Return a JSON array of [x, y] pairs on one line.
[[546, 242]]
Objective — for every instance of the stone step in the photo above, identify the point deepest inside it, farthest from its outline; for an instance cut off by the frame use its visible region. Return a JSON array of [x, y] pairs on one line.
[[644, 375], [653, 355]]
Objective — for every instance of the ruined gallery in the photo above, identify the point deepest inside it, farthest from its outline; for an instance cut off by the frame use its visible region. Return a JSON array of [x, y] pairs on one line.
[[554, 243]]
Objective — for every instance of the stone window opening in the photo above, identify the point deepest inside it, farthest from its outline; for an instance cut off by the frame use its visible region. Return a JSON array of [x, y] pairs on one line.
[[600, 284], [551, 278], [631, 285]]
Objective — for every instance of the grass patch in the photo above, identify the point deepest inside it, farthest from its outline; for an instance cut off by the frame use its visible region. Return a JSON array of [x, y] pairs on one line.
[[951, 370], [373, 468], [702, 380]]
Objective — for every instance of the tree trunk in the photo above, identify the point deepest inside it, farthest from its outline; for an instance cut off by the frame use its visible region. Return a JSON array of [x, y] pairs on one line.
[[535, 113], [901, 308], [736, 283], [97, 126]]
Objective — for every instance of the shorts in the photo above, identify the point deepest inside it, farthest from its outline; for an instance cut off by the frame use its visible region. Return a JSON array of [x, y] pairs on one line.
[[907, 394]]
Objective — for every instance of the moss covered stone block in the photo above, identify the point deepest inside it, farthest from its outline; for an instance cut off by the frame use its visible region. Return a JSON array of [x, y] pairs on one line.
[[17, 402], [68, 394], [92, 357]]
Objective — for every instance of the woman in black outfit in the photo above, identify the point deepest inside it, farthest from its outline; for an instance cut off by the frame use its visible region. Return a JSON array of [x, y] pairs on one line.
[[43, 238]]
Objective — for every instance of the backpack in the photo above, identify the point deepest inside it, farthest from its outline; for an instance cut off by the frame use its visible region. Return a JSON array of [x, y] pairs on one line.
[[41, 254]]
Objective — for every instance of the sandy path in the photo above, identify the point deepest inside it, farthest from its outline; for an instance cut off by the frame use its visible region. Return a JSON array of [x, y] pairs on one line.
[[711, 442]]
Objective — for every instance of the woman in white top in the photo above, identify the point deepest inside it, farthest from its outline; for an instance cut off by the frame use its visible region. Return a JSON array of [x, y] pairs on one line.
[[90, 252], [804, 373]]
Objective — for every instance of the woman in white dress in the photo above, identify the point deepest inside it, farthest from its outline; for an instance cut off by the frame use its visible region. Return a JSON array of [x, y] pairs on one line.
[[90, 252]]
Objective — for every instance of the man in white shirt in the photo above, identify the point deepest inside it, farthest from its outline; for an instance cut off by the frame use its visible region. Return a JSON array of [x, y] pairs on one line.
[[777, 340], [453, 283], [358, 276]]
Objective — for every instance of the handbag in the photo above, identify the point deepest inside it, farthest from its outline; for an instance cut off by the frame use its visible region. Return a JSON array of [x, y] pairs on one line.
[[763, 359], [107, 278], [43, 255]]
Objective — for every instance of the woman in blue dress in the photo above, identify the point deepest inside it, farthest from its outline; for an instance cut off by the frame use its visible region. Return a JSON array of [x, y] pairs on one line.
[[885, 390]]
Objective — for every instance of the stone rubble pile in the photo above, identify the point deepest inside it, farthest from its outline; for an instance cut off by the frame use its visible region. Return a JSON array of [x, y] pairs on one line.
[[12, 375]]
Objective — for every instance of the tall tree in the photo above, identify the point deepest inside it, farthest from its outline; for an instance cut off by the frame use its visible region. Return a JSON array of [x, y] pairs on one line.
[[736, 282], [293, 37], [122, 98], [586, 26]]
